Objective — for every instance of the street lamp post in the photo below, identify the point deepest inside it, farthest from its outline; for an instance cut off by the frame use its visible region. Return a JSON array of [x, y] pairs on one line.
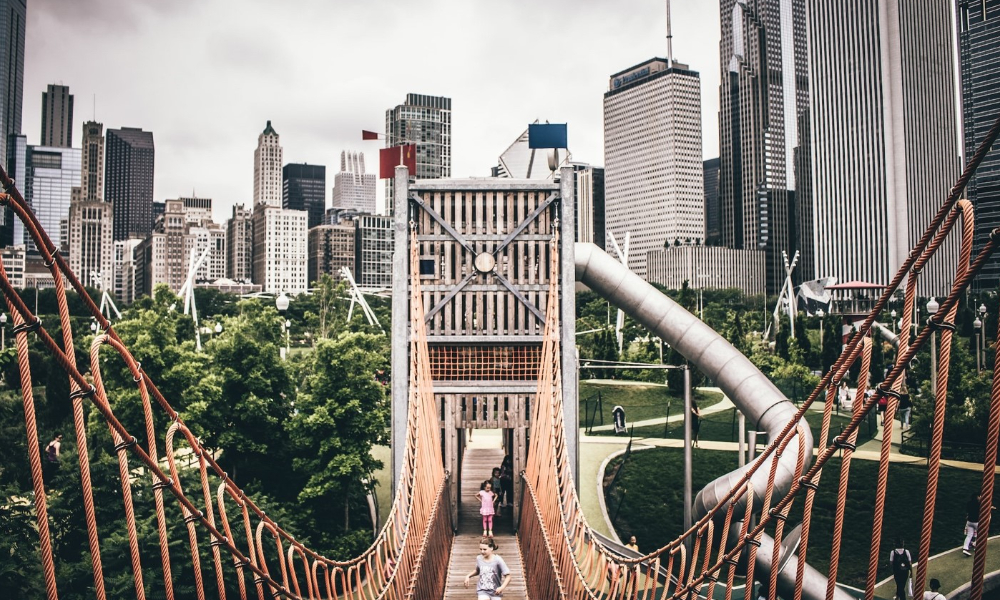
[[281, 303], [982, 316], [288, 327], [978, 325], [3, 331], [892, 315], [820, 314], [932, 308]]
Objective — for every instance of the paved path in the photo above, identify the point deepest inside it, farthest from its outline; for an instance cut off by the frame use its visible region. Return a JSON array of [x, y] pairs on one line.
[[480, 457], [724, 404]]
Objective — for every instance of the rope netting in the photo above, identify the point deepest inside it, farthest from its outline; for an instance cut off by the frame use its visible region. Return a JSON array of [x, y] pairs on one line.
[[555, 538], [404, 561]]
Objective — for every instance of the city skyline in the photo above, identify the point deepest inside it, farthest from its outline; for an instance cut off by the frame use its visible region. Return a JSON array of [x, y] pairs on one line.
[[205, 129]]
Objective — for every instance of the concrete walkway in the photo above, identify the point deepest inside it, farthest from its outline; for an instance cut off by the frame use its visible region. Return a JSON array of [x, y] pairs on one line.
[[720, 406]]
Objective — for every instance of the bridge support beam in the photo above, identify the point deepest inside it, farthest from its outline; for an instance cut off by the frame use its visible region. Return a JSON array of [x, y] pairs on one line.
[[400, 319]]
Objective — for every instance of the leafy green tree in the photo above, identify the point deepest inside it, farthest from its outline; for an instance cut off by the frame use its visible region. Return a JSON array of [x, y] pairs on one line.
[[246, 421], [342, 410]]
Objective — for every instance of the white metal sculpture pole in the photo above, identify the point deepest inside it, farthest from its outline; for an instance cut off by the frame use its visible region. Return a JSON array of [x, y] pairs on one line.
[[358, 297], [187, 291], [623, 257]]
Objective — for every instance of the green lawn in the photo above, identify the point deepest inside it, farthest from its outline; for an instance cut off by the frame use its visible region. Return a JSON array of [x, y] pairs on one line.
[[640, 401], [652, 505]]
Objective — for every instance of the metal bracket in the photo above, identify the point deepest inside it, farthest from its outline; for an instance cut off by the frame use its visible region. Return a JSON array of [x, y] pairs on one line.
[[517, 294], [444, 224]]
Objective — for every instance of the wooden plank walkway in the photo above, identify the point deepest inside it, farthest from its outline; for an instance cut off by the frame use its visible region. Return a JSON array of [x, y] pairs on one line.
[[477, 465]]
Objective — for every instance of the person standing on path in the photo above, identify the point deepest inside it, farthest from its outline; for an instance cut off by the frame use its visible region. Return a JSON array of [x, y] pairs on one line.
[[902, 568], [494, 575], [632, 544], [486, 498], [972, 523], [695, 423]]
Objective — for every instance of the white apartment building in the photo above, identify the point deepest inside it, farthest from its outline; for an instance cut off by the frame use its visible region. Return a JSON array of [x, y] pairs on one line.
[[654, 187], [708, 267], [280, 249]]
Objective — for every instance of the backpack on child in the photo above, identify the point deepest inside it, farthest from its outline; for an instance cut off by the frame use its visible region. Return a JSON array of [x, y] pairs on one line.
[[901, 562]]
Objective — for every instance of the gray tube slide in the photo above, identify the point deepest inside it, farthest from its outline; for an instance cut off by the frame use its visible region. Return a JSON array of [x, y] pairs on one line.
[[748, 388]]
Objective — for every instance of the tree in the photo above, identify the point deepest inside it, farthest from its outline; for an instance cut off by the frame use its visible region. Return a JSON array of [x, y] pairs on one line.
[[342, 410], [256, 396]]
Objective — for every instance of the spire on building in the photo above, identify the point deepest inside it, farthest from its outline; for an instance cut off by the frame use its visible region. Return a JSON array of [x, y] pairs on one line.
[[269, 130]]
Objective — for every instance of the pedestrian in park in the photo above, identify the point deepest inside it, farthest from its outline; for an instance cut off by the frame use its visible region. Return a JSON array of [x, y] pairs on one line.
[[52, 450], [695, 423], [632, 544], [486, 498], [51, 464], [507, 481], [494, 575], [842, 394], [935, 593], [905, 407], [902, 568], [972, 523], [497, 487]]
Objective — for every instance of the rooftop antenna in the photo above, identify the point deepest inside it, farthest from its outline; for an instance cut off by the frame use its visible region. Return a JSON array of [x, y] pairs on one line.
[[670, 41]]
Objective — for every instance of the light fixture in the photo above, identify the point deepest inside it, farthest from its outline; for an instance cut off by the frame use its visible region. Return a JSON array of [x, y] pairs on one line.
[[977, 324], [932, 306], [820, 313], [3, 318], [281, 302], [218, 328]]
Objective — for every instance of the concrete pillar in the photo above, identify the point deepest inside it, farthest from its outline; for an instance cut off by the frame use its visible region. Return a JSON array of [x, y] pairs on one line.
[[400, 319], [567, 284]]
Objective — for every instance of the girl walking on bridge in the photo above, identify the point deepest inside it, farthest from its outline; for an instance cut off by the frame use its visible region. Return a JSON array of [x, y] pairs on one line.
[[486, 497], [494, 575]]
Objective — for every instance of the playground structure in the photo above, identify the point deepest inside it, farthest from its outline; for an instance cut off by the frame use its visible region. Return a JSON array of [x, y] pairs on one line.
[[562, 557]]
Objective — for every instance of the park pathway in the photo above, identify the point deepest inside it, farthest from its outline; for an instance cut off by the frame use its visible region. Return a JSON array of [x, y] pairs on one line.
[[477, 464]]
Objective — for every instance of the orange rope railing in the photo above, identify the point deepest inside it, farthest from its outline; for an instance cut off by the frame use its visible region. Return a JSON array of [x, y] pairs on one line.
[[406, 560], [590, 570]]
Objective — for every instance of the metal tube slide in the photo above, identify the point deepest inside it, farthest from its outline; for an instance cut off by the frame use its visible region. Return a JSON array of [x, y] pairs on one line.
[[762, 403]]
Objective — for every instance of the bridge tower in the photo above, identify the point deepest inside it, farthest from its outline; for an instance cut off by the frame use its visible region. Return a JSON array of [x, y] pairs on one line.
[[484, 249]]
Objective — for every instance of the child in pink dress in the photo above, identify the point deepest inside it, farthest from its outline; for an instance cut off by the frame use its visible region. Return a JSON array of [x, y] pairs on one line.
[[486, 498]]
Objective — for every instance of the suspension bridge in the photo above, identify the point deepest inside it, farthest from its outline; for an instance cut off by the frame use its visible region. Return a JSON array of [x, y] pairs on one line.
[[483, 302]]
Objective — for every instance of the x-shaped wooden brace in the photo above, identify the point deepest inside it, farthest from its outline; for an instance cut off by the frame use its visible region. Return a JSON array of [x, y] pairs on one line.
[[496, 254]]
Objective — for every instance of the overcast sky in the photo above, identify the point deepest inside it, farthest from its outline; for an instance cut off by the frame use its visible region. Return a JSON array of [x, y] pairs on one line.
[[205, 75]]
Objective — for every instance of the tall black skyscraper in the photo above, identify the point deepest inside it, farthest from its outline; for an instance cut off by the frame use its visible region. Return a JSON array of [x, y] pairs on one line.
[[764, 92], [303, 187], [712, 233], [12, 17], [128, 181], [57, 117], [979, 30]]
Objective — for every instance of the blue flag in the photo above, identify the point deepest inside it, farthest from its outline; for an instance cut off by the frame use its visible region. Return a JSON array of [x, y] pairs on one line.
[[547, 135]]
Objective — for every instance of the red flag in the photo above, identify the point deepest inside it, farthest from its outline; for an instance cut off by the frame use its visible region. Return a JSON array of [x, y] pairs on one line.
[[390, 158], [368, 135]]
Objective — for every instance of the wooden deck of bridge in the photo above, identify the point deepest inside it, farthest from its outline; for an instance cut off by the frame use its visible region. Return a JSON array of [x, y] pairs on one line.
[[477, 465]]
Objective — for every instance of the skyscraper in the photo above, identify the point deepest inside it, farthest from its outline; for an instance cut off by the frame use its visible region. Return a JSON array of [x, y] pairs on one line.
[[652, 157], [267, 160], [91, 223], [425, 121], [712, 211], [280, 239], [57, 117], [352, 187], [589, 208], [50, 177], [764, 89], [979, 30], [12, 20], [239, 245], [128, 181], [303, 187], [885, 155]]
